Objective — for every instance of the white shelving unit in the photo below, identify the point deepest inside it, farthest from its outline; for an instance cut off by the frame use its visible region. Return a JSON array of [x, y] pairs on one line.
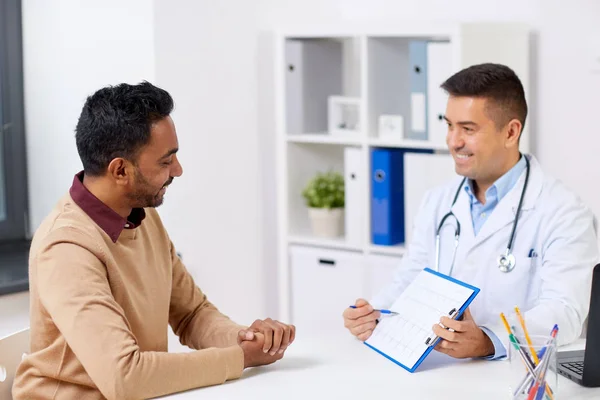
[[369, 65], [335, 244], [396, 250], [323, 139], [407, 144]]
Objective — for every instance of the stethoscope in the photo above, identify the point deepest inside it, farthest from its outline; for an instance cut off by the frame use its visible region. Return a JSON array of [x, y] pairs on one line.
[[506, 261]]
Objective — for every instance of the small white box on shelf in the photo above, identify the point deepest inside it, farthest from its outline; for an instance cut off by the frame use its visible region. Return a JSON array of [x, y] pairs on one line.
[[391, 127], [343, 115]]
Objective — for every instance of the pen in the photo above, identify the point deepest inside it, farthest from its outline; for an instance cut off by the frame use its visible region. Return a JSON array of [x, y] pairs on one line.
[[513, 339], [430, 340], [519, 332], [382, 311], [540, 381], [529, 364], [553, 335], [524, 352], [532, 254], [540, 392], [527, 338], [526, 360]]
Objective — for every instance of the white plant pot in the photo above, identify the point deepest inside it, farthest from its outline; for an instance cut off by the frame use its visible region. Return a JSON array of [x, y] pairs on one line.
[[326, 222]]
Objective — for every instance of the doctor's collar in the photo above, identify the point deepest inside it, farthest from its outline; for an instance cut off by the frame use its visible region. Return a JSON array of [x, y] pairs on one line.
[[503, 185]]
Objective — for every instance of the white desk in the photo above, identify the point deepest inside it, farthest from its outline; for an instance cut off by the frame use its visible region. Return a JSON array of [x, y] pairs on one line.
[[340, 367]]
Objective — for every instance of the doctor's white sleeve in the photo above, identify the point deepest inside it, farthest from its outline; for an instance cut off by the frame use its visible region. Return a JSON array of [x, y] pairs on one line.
[[415, 259], [569, 253]]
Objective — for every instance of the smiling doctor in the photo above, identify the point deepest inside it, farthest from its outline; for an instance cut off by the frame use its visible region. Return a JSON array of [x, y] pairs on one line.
[[523, 238]]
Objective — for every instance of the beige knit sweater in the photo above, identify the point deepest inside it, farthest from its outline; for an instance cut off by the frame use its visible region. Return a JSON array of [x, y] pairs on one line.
[[100, 309]]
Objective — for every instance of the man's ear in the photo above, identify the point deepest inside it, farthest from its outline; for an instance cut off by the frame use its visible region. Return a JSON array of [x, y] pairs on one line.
[[120, 171], [513, 132]]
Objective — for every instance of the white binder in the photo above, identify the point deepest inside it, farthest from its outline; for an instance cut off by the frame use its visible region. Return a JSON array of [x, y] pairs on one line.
[[439, 59], [313, 72], [353, 180], [294, 87]]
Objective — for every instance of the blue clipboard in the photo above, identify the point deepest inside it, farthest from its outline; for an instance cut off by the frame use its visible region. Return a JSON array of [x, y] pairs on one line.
[[430, 347]]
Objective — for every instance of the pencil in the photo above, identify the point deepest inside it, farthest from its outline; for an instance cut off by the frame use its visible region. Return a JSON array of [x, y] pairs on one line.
[[505, 322], [522, 321]]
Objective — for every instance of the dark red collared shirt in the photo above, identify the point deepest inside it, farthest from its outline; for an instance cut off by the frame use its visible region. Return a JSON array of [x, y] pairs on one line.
[[106, 218]]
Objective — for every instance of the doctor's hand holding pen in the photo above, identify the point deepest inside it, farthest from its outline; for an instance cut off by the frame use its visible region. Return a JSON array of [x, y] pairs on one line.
[[462, 339], [360, 319]]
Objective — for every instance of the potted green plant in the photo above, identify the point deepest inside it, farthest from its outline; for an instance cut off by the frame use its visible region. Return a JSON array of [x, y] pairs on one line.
[[324, 196]]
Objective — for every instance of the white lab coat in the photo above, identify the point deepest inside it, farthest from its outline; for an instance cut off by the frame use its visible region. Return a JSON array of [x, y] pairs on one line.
[[553, 287]]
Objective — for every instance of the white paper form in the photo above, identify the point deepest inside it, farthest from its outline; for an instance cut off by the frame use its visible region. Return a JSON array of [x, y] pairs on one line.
[[429, 297]]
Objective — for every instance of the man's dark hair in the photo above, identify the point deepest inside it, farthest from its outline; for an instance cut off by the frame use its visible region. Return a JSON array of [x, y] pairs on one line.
[[495, 82], [116, 121]]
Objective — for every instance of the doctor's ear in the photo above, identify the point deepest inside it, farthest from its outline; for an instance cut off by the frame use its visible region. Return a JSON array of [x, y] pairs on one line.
[[513, 132]]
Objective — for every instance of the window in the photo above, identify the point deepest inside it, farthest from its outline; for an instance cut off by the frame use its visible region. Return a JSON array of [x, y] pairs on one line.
[[13, 176], [14, 245]]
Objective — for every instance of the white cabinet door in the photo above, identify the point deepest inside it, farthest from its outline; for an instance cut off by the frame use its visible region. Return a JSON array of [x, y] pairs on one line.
[[380, 270], [324, 283]]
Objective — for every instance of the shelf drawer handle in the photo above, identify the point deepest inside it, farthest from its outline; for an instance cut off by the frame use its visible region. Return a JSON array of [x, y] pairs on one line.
[[330, 263]]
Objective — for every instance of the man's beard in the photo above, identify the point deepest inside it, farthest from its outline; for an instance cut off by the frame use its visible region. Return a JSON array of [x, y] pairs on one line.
[[144, 194]]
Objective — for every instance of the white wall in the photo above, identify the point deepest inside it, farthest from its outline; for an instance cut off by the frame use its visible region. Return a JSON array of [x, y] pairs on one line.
[[220, 211], [72, 48], [205, 58]]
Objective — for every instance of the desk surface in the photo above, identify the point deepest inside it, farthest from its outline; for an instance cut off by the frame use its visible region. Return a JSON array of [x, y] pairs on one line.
[[337, 366]]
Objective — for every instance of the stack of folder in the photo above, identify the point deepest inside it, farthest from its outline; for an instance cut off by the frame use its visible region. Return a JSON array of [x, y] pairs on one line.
[[387, 200], [430, 66]]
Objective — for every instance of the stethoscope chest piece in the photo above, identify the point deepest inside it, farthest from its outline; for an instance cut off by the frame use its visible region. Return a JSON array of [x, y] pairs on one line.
[[506, 262]]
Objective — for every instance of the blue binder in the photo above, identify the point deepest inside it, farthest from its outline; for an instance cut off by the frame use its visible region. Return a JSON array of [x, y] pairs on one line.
[[387, 200], [417, 56], [461, 309]]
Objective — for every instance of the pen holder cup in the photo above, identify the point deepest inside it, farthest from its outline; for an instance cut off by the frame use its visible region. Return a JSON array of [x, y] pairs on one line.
[[545, 380]]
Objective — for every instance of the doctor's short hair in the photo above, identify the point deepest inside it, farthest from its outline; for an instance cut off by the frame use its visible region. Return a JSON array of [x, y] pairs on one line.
[[498, 84]]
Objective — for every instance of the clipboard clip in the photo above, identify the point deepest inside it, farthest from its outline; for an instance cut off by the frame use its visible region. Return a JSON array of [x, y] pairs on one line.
[[431, 339]]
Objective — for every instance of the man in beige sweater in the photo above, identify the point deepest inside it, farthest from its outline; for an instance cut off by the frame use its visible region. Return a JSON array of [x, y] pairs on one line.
[[105, 279]]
